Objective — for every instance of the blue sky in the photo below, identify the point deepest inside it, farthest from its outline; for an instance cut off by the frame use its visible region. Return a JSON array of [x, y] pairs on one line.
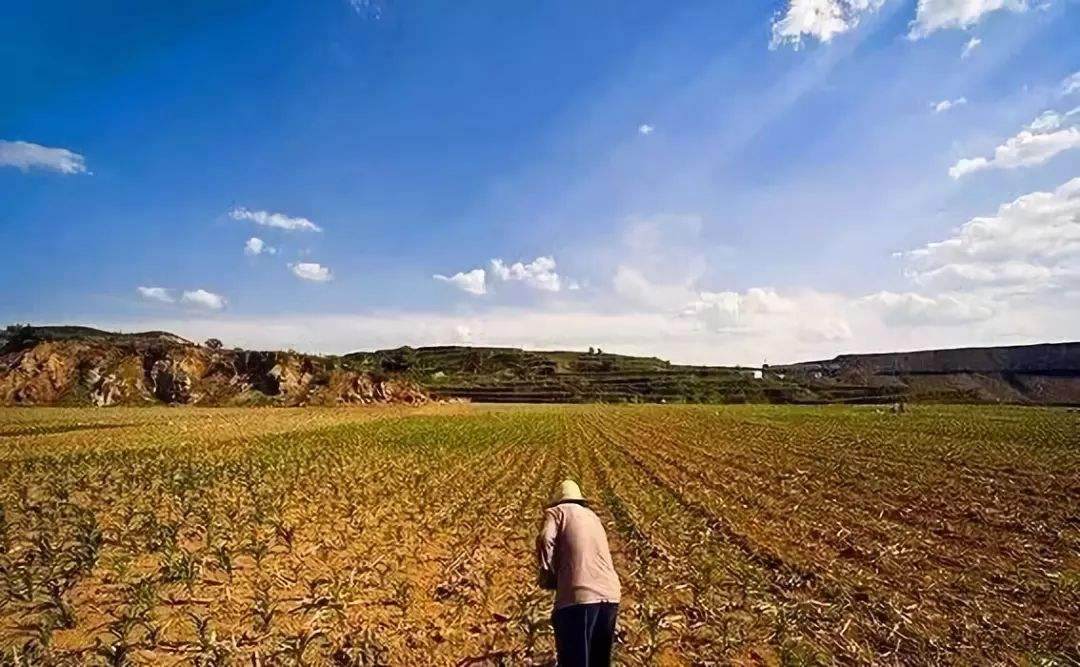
[[706, 181]]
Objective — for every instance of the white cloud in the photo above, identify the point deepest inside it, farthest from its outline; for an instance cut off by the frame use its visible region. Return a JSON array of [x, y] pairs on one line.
[[645, 129], [278, 220], [539, 274], [718, 311], [934, 15], [161, 294], [312, 271], [660, 260], [909, 308], [666, 294], [827, 329], [1071, 84], [199, 298], [1037, 143], [731, 310], [808, 316], [820, 327], [203, 299], [818, 19], [25, 156], [945, 105], [965, 166], [632, 332], [472, 282], [256, 246], [970, 46], [1047, 121], [1032, 244]]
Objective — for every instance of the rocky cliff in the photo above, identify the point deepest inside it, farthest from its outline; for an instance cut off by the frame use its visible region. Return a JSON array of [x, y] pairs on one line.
[[80, 366], [1047, 373]]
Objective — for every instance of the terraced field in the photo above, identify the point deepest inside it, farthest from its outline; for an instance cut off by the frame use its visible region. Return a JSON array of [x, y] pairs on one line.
[[364, 536]]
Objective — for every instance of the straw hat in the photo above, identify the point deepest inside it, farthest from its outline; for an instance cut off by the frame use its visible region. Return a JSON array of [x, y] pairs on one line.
[[568, 490]]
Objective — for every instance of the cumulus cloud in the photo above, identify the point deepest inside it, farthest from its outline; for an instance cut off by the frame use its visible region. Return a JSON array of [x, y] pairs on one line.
[[200, 298], [645, 129], [1040, 141], [818, 19], [161, 294], [472, 282], [945, 105], [909, 308], [256, 246], [312, 271], [278, 220], [539, 274], [26, 156], [809, 316], [1031, 244], [934, 15], [729, 310], [970, 46]]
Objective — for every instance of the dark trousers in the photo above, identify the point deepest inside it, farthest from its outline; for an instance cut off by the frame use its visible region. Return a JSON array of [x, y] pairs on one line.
[[584, 634]]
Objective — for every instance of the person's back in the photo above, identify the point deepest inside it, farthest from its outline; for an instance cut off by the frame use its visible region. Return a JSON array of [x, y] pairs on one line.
[[575, 561]]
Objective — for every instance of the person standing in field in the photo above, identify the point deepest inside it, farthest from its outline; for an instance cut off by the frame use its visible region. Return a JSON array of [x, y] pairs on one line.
[[575, 562]]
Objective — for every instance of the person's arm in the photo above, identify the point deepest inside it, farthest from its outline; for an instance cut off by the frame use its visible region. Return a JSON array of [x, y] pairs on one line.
[[545, 552]]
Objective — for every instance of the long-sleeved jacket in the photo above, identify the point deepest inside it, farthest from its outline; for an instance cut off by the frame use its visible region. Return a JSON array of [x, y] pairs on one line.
[[573, 556]]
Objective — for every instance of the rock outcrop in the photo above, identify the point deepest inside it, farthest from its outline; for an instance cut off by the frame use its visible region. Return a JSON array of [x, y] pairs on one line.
[[79, 366]]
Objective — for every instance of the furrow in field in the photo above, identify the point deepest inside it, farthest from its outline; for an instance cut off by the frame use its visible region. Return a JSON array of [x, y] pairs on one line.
[[693, 589], [887, 570]]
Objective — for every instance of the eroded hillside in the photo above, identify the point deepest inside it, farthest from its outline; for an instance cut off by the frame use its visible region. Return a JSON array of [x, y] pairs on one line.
[[79, 366]]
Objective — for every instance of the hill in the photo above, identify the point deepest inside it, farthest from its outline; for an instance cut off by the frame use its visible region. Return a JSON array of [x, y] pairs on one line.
[[511, 375], [80, 365], [1039, 374], [84, 366], [1047, 373]]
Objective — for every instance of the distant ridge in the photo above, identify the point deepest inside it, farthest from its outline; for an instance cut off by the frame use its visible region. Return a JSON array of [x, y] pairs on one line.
[[1038, 358], [53, 365]]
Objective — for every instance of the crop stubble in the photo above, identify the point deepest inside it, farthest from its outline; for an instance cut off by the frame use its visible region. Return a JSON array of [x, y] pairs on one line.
[[405, 536]]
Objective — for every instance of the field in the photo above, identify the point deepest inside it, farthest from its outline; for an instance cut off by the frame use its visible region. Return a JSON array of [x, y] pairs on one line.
[[390, 535]]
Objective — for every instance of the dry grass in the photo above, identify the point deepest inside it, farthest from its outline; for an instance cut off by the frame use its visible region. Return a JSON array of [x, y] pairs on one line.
[[772, 535]]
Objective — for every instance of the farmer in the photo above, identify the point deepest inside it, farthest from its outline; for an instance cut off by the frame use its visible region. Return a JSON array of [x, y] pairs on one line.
[[574, 560]]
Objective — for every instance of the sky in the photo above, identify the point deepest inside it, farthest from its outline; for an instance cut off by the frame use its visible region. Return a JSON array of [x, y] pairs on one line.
[[709, 182]]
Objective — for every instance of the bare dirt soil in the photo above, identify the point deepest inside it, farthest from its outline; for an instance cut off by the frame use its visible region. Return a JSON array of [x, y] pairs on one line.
[[402, 535]]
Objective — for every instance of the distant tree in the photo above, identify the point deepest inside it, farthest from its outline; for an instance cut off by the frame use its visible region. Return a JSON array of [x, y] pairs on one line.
[[213, 343]]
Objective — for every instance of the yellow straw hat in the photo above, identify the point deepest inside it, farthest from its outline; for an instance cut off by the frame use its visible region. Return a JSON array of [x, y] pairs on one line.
[[568, 490]]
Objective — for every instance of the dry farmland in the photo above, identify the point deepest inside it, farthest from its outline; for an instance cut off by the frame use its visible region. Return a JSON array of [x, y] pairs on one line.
[[748, 534]]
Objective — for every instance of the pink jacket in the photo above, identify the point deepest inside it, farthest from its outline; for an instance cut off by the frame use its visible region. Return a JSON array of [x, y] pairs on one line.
[[574, 559]]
